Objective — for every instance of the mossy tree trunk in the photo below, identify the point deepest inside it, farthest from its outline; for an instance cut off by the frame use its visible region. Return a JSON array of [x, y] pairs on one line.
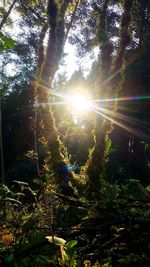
[[55, 153], [95, 165]]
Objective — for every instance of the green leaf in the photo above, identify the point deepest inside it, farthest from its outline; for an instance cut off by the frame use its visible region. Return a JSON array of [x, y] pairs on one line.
[[71, 244], [6, 42], [71, 251], [58, 241], [9, 259]]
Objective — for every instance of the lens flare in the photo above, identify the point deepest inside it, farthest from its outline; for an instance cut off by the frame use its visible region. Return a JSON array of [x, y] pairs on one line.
[[79, 103]]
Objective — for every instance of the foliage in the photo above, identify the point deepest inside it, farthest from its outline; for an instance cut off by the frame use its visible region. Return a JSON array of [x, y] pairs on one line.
[[6, 42], [114, 229]]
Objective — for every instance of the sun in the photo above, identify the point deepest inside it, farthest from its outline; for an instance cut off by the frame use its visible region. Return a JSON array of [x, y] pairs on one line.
[[79, 103]]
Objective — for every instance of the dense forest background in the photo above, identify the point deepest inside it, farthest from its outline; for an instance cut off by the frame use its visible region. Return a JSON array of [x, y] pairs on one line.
[[75, 184]]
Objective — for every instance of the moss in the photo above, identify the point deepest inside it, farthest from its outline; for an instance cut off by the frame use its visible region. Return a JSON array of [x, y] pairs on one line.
[[55, 152], [95, 165]]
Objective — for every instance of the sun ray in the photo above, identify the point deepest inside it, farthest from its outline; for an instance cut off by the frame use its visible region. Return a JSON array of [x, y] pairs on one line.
[[57, 103], [126, 98], [52, 92], [120, 116], [79, 103], [124, 126]]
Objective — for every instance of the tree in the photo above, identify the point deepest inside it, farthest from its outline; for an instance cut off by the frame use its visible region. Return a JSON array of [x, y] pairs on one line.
[[95, 163], [56, 158]]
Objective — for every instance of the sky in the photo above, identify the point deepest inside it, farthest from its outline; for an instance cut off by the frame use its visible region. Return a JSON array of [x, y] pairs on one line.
[[71, 62]]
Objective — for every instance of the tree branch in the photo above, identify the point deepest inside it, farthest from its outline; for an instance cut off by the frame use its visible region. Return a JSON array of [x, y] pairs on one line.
[[72, 19], [7, 14]]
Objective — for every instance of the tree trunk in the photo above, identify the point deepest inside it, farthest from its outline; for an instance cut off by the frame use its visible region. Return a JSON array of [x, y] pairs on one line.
[[56, 158], [95, 165]]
